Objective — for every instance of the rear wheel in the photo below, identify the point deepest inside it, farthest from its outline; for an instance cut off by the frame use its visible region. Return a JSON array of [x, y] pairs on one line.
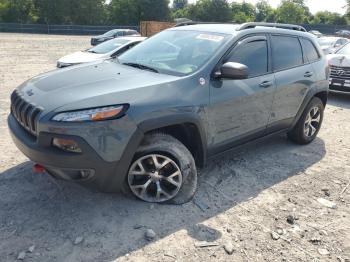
[[309, 124], [163, 171]]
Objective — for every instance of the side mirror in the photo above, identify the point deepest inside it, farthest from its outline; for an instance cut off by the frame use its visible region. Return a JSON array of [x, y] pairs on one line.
[[233, 70]]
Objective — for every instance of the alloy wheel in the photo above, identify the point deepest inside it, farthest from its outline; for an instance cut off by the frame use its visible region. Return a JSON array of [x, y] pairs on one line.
[[312, 122], [155, 178]]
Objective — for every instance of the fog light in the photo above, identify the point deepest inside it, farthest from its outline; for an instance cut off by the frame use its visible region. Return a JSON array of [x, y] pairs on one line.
[[38, 168], [66, 145], [85, 174]]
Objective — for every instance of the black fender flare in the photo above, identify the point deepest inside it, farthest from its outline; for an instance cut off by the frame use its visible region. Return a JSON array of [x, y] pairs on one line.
[[311, 94], [177, 119]]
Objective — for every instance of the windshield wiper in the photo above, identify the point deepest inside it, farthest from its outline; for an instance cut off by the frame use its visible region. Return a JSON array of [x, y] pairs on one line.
[[142, 67], [92, 51]]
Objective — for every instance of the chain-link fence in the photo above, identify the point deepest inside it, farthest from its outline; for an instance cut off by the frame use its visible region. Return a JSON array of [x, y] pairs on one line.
[[60, 29], [326, 29], [95, 30]]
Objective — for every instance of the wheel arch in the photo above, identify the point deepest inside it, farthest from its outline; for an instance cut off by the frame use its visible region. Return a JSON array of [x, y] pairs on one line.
[[188, 129], [323, 95]]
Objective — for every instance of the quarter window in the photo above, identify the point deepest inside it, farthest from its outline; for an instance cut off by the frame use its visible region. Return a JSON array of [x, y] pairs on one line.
[[253, 55], [309, 50], [286, 52]]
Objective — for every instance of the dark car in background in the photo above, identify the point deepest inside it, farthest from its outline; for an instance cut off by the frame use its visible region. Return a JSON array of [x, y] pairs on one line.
[[113, 34], [343, 33]]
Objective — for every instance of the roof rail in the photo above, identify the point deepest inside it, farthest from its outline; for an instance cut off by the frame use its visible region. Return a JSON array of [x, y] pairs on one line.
[[189, 22], [277, 25]]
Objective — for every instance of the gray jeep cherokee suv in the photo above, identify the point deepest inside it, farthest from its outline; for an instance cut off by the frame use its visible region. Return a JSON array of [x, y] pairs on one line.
[[147, 121]]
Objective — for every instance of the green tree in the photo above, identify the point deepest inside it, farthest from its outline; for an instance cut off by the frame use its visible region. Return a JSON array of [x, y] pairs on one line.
[[210, 11], [329, 18], [17, 11], [124, 12], [243, 12], [87, 12], [131, 12], [52, 12], [157, 10], [264, 12], [290, 12]]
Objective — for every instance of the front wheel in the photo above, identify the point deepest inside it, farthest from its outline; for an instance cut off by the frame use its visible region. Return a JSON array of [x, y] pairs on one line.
[[163, 171], [309, 124]]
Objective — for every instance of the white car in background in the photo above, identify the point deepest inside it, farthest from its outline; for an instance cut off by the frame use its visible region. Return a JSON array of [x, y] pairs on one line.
[[339, 63], [316, 33], [330, 44], [109, 49]]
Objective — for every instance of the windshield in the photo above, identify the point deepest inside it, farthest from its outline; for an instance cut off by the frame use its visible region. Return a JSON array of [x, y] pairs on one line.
[[110, 33], [326, 41], [108, 46], [345, 50], [175, 52]]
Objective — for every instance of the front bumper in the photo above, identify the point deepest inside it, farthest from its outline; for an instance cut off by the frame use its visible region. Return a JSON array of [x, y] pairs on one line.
[[104, 175], [339, 80], [339, 85]]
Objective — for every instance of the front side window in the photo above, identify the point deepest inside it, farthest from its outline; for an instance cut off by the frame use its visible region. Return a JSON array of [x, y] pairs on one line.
[[309, 50], [176, 52], [252, 54], [286, 52]]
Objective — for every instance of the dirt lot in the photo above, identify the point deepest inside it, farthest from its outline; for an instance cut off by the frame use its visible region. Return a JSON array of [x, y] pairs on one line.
[[242, 198]]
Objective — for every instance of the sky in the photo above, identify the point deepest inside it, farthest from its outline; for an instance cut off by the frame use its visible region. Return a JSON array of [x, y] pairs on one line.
[[314, 5]]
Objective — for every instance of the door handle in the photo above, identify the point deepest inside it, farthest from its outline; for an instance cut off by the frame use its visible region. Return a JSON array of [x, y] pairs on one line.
[[308, 74], [265, 84]]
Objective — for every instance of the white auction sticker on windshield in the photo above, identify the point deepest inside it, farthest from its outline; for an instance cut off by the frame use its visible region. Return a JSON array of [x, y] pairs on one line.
[[215, 38]]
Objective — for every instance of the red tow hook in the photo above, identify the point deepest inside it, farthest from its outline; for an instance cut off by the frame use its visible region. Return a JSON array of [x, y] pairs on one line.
[[38, 168]]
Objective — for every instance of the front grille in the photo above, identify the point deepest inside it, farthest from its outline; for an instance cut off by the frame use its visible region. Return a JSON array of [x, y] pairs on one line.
[[25, 113], [340, 72]]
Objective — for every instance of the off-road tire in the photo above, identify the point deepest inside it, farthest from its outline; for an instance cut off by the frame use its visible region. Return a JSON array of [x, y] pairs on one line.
[[297, 134], [164, 144]]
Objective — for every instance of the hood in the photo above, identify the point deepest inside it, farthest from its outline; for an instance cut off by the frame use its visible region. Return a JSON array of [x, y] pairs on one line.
[[81, 57], [326, 48], [91, 85], [339, 60]]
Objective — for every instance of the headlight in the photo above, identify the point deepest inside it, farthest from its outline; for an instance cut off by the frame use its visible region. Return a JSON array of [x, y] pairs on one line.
[[94, 114]]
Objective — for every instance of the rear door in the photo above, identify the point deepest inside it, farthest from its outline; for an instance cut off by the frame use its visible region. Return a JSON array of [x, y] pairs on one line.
[[240, 108], [293, 75]]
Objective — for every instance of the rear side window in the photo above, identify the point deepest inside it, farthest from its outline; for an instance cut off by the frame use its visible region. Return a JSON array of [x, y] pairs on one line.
[[253, 55], [286, 52], [309, 50]]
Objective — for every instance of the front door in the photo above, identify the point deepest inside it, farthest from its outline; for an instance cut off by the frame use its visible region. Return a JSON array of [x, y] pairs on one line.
[[241, 108]]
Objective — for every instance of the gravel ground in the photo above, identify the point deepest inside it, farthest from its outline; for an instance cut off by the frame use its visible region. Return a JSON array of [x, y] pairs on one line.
[[257, 203]]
